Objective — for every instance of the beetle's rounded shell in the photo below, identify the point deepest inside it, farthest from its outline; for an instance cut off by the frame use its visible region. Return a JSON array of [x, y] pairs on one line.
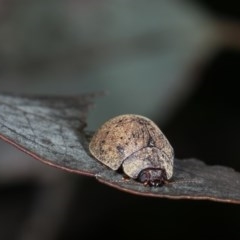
[[133, 141], [148, 157]]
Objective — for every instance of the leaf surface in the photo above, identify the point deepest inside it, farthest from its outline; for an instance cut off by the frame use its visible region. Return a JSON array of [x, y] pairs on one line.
[[51, 129]]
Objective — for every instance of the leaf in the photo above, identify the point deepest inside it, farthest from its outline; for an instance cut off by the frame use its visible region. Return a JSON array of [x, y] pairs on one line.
[[51, 129], [192, 180]]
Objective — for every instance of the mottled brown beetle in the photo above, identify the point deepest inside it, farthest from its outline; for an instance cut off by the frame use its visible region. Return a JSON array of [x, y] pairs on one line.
[[138, 145]]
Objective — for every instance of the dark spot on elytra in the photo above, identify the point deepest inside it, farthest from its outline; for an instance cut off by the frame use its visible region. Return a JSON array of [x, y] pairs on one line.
[[103, 141], [141, 121], [151, 142], [120, 148], [121, 137]]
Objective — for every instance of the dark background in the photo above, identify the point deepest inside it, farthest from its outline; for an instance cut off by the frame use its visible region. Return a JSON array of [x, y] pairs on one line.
[[205, 126]]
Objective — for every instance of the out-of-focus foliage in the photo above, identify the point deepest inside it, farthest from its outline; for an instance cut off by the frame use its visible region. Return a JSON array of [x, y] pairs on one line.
[[140, 52]]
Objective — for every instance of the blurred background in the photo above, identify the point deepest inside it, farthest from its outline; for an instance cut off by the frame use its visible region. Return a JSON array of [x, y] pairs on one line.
[[176, 62]]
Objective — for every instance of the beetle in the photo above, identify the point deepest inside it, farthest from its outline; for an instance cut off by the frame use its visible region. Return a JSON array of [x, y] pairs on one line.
[[135, 144]]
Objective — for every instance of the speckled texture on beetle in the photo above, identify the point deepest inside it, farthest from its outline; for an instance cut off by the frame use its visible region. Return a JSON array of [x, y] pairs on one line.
[[135, 144]]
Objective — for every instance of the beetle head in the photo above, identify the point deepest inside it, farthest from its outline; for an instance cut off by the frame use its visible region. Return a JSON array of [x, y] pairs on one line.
[[152, 177]]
